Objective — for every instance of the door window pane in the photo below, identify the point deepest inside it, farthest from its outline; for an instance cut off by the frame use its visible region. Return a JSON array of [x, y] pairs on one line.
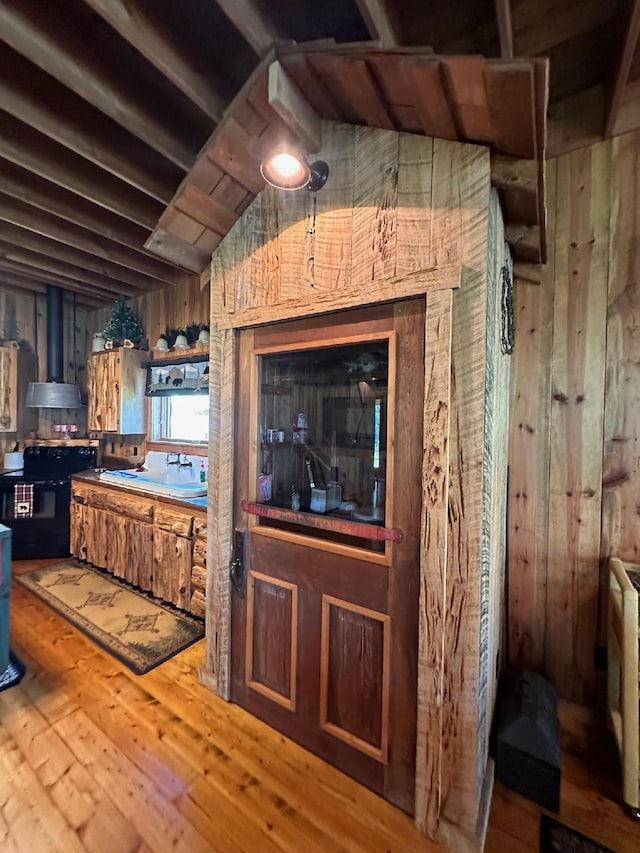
[[323, 432]]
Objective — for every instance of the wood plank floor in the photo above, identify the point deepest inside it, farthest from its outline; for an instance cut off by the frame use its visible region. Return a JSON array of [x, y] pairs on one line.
[[94, 758]]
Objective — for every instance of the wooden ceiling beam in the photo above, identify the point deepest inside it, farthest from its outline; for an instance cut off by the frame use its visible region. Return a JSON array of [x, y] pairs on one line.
[[631, 41], [29, 28], [511, 172], [173, 248], [71, 122], [29, 149], [141, 30], [65, 275], [293, 108], [380, 21], [22, 215], [248, 18], [48, 197], [107, 270], [505, 28], [21, 284]]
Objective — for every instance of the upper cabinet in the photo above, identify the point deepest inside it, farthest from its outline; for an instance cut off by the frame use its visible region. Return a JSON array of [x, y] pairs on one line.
[[17, 369], [117, 392]]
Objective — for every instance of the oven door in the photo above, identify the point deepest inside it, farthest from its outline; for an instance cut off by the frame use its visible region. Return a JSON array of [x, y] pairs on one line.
[[40, 524]]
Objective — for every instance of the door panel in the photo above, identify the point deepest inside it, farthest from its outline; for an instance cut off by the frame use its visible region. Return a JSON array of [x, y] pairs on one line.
[[324, 626]]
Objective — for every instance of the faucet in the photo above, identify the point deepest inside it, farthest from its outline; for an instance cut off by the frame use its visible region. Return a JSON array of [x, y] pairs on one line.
[[181, 463]]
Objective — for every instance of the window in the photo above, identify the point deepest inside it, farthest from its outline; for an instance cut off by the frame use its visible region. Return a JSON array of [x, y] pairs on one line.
[[180, 417]]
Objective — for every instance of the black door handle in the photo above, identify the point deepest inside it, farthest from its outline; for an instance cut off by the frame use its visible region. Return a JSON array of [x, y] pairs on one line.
[[236, 566]]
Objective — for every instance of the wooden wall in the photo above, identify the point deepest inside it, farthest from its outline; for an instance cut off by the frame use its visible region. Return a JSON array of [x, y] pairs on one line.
[[171, 307], [23, 318], [574, 450]]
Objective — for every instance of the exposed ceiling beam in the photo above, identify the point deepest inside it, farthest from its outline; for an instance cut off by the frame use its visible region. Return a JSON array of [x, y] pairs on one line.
[[51, 198], [29, 29], [505, 28], [624, 67], [141, 30], [70, 121], [67, 276], [380, 22], [119, 276], [17, 283], [35, 153], [248, 18], [24, 216]]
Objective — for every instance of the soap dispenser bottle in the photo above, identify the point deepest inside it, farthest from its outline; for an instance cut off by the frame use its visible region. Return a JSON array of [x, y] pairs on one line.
[[203, 473]]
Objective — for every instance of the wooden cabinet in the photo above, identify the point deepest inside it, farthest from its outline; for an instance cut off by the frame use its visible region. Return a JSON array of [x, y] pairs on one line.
[[17, 369], [117, 401], [157, 547]]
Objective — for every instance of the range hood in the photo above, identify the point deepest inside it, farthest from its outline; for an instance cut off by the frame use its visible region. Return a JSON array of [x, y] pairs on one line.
[[54, 393]]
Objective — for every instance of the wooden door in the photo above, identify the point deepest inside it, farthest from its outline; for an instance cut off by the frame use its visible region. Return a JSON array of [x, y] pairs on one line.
[[324, 624], [104, 394]]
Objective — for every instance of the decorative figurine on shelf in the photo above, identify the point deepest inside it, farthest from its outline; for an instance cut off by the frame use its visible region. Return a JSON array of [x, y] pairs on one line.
[[124, 325]]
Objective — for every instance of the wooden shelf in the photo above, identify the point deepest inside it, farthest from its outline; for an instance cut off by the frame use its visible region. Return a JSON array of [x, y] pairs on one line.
[[357, 529]]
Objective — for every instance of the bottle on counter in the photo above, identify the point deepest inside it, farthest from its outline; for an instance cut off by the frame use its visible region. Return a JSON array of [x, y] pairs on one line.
[[203, 473]]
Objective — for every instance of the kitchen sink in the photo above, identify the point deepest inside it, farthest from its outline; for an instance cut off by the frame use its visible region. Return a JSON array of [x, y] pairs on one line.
[[155, 483]]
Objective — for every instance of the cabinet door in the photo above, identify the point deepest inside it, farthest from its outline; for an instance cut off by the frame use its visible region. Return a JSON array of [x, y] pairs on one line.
[[172, 568], [131, 551], [98, 533], [104, 392], [78, 542], [8, 389]]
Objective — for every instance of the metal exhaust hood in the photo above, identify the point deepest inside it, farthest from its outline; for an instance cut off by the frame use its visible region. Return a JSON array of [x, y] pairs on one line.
[[54, 393]]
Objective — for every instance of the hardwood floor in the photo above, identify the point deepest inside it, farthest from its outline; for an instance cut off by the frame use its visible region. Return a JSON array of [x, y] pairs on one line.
[[590, 793], [94, 758]]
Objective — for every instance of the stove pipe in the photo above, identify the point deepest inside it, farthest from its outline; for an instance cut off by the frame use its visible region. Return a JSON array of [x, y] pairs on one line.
[[54, 393]]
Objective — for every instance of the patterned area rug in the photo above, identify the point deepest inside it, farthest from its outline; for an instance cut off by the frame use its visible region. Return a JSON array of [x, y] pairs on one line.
[[555, 837], [139, 630]]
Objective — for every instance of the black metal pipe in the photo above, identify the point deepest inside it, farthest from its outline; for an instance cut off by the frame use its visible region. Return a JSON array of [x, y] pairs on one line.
[[55, 351]]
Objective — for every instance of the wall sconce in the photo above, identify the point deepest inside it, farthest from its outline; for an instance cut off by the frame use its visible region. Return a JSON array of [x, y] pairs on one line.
[[287, 170]]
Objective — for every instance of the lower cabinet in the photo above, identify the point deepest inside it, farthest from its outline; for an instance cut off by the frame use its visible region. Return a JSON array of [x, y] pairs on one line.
[[157, 547]]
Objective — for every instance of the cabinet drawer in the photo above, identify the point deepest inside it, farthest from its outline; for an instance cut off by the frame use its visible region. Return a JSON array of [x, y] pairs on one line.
[[174, 520], [133, 507]]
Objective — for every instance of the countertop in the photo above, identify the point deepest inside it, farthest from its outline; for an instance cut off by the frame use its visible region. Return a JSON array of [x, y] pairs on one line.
[[93, 477]]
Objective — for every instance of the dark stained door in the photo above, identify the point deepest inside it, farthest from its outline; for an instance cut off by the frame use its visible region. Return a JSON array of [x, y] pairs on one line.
[[324, 625]]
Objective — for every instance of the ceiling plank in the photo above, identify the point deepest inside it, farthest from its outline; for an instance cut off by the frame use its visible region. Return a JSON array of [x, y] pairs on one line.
[[66, 275], [465, 83], [52, 248], [173, 248], [424, 83], [354, 88], [141, 30], [624, 67], [205, 209], [307, 81], [35, 153], [248, 18], [24, 216], [505, 28], [70, 121], [510, 96], [380, 22], [293, 108], [30, 30]]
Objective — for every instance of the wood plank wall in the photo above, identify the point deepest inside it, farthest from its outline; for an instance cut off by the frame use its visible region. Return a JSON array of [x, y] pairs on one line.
[[575, 458], [23, 318], [170, 307]]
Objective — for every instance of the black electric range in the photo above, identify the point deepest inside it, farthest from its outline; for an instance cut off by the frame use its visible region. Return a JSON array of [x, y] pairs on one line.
[[35, 502]]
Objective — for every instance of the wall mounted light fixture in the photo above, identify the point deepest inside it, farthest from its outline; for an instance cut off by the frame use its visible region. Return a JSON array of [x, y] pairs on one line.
[[287, 170]]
